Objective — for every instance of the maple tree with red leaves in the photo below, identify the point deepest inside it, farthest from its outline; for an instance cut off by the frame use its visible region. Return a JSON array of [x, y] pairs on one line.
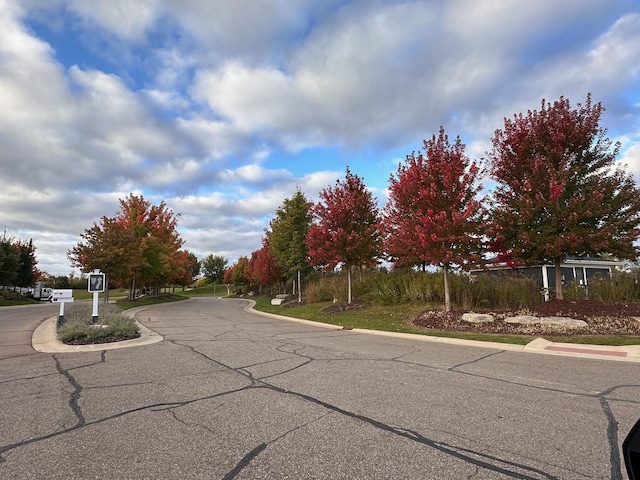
[[345, 229], [559, 190], [433, 215], [184, 265], [140, 244], [263, 267]]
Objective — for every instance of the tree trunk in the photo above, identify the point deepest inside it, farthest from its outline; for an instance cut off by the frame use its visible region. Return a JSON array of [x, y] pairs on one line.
[[349, 284], [299, 288], [447, 297], [558, 271], [132, 291]]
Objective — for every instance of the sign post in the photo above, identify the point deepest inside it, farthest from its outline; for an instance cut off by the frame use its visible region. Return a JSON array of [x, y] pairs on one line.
[[95, 285], [62, 297]]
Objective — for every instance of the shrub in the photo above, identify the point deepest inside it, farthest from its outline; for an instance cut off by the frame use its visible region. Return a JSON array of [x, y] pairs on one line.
[[111, 323], [620, 287]]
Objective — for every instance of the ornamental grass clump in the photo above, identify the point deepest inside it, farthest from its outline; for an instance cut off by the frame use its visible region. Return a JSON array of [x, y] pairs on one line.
[[112, 325]]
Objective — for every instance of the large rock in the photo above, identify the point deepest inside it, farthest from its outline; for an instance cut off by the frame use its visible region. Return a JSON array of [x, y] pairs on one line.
[[565, 322], [523, 320], [477, 318]]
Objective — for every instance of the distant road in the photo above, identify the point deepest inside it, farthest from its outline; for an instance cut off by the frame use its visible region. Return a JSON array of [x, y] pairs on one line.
[[233, 395], [17, 324]]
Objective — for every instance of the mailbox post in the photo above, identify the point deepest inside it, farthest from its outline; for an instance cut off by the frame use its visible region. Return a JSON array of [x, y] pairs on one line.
[[95, 285], [62, 296]]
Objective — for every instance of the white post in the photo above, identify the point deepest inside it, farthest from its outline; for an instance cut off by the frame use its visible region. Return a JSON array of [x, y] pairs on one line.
[[94, 314], [61, 316], [299, 289], [545, 282]]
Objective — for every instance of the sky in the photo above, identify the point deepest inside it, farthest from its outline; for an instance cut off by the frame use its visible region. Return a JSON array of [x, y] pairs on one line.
[[222, 109]]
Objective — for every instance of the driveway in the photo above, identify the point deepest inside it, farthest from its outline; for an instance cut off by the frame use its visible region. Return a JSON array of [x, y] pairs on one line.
[[230, 394]]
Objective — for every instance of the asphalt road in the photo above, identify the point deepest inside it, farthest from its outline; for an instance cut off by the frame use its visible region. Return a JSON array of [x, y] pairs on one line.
[[230, 394], [17, 325]]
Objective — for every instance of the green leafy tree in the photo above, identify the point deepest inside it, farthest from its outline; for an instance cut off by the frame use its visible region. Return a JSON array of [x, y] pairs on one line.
[[213, 267], [433, 215], [345, 229], [560, 192], [287, 236], [27, 272], [240, 272], [196, 265], [9, 261]]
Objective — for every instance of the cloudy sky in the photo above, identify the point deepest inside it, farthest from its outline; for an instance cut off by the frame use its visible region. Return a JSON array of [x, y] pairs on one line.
[[222, 108]]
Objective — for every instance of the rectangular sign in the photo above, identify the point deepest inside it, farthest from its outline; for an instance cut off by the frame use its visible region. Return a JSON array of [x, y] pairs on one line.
[[67, 292], [96, 282], [62, 299]]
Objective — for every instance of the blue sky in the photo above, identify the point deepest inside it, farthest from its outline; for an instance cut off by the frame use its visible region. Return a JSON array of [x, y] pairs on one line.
[[223, 108]]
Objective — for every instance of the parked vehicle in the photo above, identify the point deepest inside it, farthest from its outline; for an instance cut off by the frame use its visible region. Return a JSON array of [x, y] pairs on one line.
[[40, 292]]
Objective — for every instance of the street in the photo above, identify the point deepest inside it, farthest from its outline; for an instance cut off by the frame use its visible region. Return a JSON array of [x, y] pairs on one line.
[[231, 394]]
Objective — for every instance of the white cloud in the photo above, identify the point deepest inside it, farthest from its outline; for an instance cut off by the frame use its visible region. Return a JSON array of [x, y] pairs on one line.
[[202, 98]]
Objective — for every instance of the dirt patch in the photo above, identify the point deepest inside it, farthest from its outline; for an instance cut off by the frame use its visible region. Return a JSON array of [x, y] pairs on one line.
[[602, 318], [344, 307]]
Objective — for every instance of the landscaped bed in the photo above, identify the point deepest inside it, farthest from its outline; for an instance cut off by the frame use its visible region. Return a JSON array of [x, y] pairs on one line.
[[602, 318], [112, 325]]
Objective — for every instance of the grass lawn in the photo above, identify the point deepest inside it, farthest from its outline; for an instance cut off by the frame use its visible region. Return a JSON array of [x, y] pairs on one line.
[[397, 318], [393, 318]]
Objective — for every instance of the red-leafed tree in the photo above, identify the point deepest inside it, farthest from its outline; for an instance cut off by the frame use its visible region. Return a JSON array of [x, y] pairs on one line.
[[263, 267], [433, 215], [345, 229], [184, 265], [227, 278], [139, 244], [559, 190]]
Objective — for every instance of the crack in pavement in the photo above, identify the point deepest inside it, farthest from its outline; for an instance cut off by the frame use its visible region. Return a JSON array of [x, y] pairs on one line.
[[246, 460], [155, 407], [475, 458], [75, 395]]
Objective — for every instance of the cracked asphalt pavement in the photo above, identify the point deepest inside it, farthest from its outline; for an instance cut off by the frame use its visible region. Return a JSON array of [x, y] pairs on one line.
[[230, 394]]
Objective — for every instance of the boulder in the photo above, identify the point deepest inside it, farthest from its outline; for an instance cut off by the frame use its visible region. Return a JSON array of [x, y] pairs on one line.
[[523, 320], [477, 318], [563, 322]]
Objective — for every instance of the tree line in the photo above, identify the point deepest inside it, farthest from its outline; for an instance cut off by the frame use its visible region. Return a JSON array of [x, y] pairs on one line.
[[558, 193], [18, 264]]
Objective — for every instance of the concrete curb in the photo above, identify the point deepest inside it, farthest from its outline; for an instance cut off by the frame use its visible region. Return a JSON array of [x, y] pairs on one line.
[[627, 353], [44, 338]]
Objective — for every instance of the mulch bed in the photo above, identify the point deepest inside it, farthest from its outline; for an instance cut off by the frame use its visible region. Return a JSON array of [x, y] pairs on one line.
[[97, 341], [603, 318]]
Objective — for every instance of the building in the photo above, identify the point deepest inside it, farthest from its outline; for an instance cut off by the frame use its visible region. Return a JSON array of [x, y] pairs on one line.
[[579, 270]]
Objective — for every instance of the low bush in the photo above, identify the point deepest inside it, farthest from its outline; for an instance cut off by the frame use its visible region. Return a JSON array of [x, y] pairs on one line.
[[112, 323]]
